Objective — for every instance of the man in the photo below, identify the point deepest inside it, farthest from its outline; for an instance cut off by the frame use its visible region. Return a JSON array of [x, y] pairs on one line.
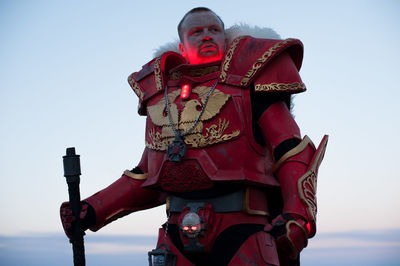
[[222, 151]]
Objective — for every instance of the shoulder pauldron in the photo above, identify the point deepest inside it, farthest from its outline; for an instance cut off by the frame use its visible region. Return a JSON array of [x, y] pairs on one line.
[[248, 59]]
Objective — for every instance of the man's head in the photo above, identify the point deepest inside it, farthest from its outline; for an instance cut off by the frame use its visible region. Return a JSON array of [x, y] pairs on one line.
[[202, 36]]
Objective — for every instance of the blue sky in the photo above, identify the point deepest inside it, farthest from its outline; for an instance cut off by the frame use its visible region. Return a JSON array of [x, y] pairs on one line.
[[63, 70]]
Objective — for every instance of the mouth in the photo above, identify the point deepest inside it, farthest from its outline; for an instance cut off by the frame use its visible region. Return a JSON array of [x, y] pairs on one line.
[[208, 47]]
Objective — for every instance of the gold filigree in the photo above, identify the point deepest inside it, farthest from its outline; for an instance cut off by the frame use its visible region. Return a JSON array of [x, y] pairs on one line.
[[214, 134], [157, 142], [281, 87], [307, 186], [157, 74], [260, 62], [198, 136], [228, 58], [192, 107], [158, 114], [135, 87]]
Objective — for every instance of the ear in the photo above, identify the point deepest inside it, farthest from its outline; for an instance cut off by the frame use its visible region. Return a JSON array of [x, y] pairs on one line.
[[182, 50]]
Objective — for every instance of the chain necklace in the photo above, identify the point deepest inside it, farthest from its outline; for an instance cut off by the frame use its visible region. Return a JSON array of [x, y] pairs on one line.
[[177, 149]]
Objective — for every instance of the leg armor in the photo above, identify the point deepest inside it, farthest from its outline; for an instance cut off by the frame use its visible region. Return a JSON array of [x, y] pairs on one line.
[[258, 249]]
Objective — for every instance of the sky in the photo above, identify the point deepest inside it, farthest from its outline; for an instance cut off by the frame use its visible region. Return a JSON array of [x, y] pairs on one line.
[[63, 72]]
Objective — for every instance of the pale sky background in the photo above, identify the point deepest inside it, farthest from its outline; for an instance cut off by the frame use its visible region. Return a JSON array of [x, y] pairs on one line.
[[63, 71]]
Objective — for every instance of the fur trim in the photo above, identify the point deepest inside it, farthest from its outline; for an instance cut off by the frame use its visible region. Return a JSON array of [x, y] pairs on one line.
[[231, 33]]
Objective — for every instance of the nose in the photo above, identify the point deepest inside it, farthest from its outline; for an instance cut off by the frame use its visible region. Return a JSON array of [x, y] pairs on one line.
[[207, 38]]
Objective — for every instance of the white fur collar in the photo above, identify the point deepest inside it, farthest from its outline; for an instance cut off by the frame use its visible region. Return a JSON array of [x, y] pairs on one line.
[[231, 33]]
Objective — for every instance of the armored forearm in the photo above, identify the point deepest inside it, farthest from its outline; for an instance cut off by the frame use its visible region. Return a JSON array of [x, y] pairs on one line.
[[296, 171], [124, 196]]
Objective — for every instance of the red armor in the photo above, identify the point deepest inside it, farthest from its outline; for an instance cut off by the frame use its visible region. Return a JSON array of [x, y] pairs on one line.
[[205, 139], [226, 124]]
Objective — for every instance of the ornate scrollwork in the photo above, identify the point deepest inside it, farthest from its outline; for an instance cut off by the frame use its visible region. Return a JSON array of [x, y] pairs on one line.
[[307, 186], [260, 62], [157, 74], [213, 134], [281, 87], [228, 58], [135, 87], [160, 136]]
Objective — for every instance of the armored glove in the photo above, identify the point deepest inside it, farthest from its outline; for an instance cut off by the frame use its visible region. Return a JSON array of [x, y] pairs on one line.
[[87, 217]]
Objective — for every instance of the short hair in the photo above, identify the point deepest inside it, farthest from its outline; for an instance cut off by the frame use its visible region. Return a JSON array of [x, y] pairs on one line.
[[196, 10]]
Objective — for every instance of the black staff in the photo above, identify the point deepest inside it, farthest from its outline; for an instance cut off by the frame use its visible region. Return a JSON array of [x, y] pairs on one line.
[[72, 171]]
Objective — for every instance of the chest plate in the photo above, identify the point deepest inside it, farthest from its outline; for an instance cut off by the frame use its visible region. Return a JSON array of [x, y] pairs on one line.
[[201, 122]]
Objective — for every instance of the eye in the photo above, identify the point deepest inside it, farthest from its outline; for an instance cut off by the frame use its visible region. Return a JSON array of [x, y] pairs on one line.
[[196, 32], [214, 30]]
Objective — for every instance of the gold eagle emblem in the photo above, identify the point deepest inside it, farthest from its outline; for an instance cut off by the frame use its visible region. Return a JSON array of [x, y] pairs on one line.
[[185, 119]]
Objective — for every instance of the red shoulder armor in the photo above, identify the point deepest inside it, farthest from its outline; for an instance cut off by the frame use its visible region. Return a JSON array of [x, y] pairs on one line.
[[151, 79], [248, 57]]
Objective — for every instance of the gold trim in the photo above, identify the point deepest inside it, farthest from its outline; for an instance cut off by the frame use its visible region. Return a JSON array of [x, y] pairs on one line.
[[307, 184], [199, 136], [136, 88], [247, 208], [288, 231], [136, 176], [319, 156], [307, 187], [228, 58], [296, 150], [157, 74], [260, 62], [281, 87], [213, 134]]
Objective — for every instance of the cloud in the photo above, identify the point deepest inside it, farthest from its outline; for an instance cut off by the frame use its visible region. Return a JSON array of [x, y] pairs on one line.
[[350, 248], [115, 248]]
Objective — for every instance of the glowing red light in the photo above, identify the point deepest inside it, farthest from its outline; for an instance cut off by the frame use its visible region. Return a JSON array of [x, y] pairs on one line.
[[194, 228], [185, 91], [308, 227], [185, 228]]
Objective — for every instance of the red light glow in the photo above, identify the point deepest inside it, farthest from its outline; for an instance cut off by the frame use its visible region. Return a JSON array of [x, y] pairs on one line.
[[185, 228], [308, 227], [185, 91]]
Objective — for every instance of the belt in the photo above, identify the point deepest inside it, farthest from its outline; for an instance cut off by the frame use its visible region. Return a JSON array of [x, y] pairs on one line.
[[232, 202]]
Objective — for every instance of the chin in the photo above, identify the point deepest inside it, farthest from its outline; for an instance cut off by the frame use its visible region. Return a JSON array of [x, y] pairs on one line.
[[205, 59]]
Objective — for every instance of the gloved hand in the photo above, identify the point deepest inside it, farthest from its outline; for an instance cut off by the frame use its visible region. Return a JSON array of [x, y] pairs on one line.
[[87, 217], [290, 233]]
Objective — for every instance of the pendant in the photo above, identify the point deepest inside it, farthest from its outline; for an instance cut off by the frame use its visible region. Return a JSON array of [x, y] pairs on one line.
[[176, 150]]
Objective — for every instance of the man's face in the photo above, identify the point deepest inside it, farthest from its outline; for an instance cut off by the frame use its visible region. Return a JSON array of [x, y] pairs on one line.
[[203, 38]]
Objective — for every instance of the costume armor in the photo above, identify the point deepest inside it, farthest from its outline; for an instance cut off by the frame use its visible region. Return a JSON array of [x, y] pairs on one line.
[[226, 119], [203, 160]]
